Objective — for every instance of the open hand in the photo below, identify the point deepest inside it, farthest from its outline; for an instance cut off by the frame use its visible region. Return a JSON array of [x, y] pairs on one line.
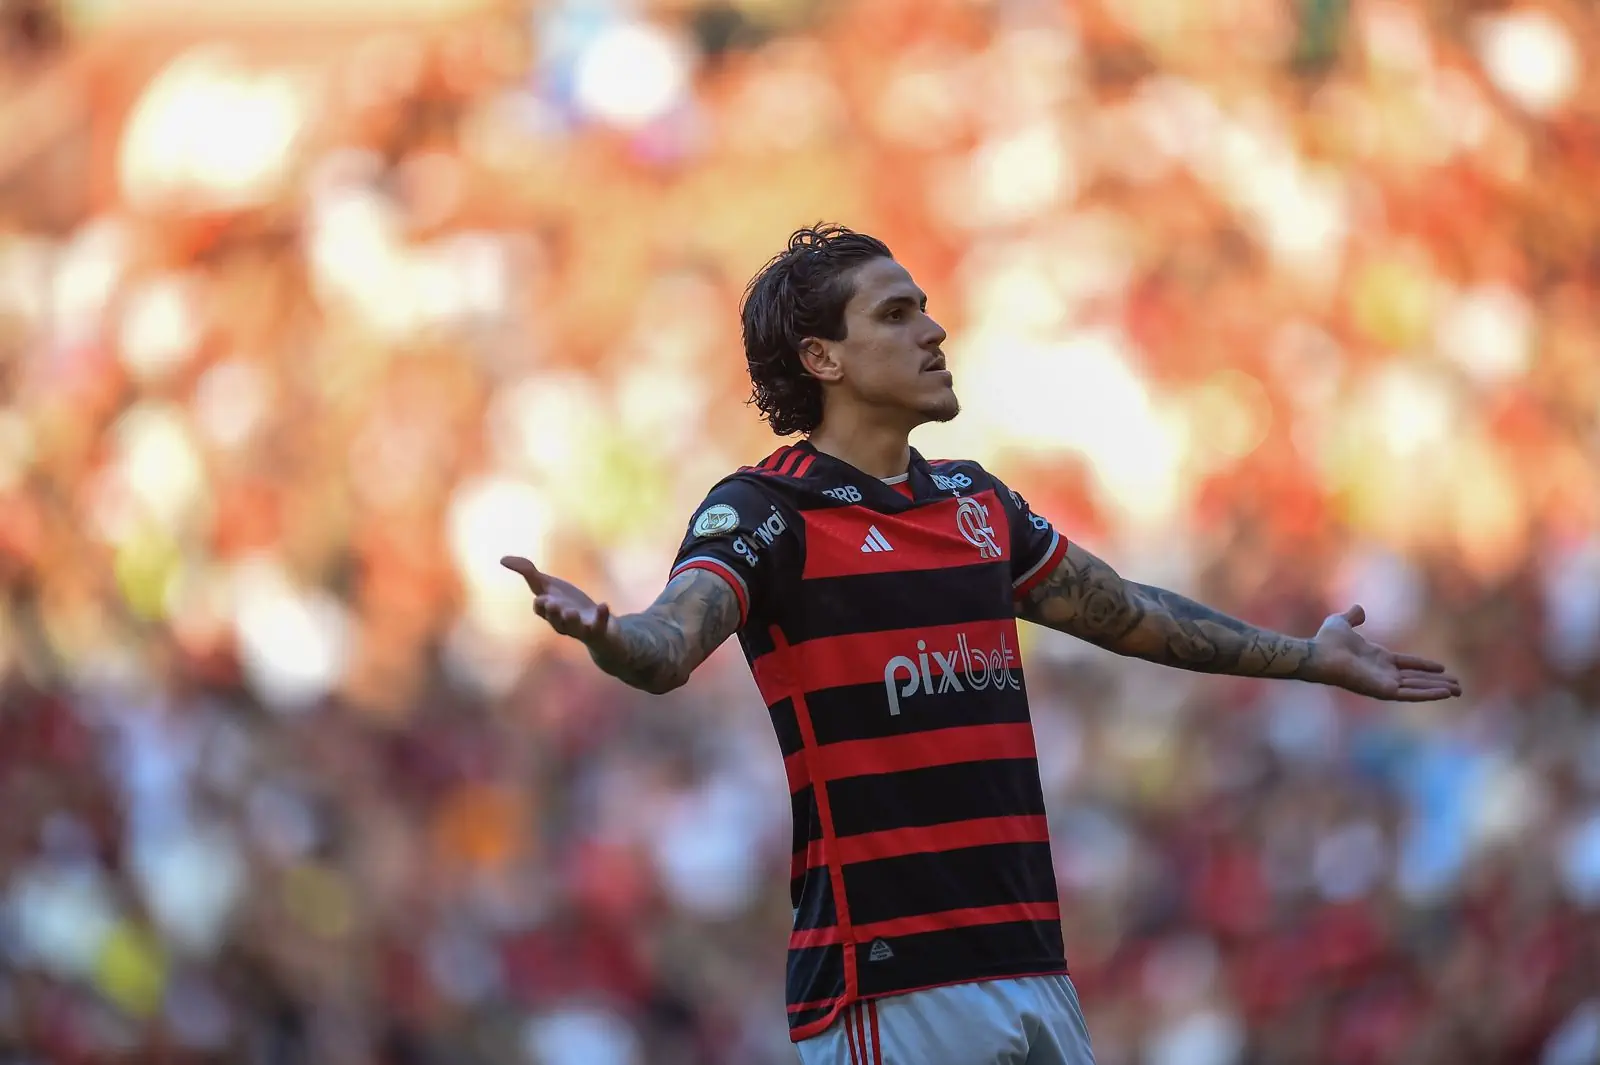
[[1349, 660], [567, 608]]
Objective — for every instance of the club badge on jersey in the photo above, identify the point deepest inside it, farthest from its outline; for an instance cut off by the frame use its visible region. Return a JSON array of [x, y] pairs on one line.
[[716, 520], [972, 519]]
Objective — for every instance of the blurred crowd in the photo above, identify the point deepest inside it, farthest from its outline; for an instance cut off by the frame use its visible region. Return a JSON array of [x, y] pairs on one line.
[[308, 313]]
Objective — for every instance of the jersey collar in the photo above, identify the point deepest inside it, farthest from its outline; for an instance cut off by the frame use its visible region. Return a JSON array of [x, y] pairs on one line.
[[884, 497]]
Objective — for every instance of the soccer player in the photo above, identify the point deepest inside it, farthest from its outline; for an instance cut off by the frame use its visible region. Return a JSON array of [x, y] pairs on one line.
[[875, 594]]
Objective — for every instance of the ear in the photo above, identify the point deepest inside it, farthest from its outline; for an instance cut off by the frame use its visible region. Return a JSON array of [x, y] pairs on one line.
[[820, 360]]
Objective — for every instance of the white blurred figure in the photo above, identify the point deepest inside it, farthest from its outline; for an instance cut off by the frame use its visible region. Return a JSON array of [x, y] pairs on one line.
[[708, 849], [1579, 858], [1577, 1040], [1572, 604], [581, 1035], [1197, 1029]]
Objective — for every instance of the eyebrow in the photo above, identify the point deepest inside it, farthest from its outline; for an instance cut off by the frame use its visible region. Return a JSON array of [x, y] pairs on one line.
[[884, 304]]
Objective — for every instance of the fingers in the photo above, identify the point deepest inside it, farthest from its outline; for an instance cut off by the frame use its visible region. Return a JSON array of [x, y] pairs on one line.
[[1354, 616], [1427, 665], [1422, 695], [581, 624], [527, 570], [1432, 685]]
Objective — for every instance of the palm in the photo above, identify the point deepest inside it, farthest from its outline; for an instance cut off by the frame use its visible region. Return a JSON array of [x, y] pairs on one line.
[[567, 608], [1351, 661]]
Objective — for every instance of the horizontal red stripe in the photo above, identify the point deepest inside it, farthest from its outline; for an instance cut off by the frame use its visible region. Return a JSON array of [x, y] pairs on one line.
[[922, 839], [927, 537], [862, 658], [921, 750], [926, 839], [908, 751], [929, 922]]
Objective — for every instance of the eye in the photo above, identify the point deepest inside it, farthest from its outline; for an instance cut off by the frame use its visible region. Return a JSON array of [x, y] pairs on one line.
[[895, 315]]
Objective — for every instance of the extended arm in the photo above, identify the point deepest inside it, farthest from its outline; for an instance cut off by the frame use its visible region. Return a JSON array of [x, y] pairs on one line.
[[654, 650], [1086, 598]]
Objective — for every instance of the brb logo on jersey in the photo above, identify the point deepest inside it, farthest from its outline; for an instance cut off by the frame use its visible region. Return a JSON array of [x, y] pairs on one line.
[[847, 494], [954, 483], [982, 669], [972, 519]]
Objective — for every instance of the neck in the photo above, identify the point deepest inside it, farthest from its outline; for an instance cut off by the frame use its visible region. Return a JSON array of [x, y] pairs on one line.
[[876, 450]]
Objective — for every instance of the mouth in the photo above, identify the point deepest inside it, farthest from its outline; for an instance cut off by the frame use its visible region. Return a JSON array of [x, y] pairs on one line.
[[934, 365]]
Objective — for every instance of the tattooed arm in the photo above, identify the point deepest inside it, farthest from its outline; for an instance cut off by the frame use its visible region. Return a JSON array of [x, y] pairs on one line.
[[654, 650], [657, 649], [1088, 599]]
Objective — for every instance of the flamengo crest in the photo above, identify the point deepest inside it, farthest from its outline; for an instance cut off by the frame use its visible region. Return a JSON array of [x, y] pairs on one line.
[[972, 520]]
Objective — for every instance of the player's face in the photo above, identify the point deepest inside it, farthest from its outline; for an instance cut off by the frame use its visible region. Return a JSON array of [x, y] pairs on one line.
[[892, 355]]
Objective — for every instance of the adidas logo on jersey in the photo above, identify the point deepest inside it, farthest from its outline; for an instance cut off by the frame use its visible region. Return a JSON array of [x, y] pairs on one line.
[[875, 541], [880, 951]]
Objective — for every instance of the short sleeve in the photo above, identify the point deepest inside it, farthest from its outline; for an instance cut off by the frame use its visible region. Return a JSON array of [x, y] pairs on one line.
[[1036, 547], [742, 535]]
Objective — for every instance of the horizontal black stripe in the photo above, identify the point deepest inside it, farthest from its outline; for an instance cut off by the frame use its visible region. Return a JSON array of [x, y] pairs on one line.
[[814, 974], [998, 788], [878, 602], [787, 725], [805, 819], [913, 884], [861, 711], [1017, 949], [812, 894]]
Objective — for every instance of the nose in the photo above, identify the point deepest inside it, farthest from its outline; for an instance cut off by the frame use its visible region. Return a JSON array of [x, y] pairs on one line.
[[936, 335]]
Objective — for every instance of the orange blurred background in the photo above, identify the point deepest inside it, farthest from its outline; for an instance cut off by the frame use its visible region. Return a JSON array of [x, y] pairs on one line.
[[309, 311]]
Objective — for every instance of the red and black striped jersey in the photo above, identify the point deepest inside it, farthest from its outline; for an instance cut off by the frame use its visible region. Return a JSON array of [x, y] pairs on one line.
[[879, 622]]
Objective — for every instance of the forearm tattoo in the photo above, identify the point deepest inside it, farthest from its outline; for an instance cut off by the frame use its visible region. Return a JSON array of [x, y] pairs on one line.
[[657, 650], [1086, 598]]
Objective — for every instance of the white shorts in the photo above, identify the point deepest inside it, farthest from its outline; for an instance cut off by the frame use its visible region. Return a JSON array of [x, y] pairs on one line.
[[1030, 1020]]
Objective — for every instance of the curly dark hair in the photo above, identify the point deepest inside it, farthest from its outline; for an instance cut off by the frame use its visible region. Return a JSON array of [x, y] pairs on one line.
[[801, 292]]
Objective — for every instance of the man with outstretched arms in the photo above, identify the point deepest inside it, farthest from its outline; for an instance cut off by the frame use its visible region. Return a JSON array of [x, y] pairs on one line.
[[876, 594]]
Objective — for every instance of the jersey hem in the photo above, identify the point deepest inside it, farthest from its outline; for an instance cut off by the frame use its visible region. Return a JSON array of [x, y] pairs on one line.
[[822, 1024]]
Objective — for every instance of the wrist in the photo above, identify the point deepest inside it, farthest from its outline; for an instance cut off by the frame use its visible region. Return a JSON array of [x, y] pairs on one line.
[[1316, 668]]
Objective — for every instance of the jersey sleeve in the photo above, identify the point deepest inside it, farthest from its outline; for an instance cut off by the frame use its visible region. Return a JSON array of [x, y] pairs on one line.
[[1036, 547], [742, 535]]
